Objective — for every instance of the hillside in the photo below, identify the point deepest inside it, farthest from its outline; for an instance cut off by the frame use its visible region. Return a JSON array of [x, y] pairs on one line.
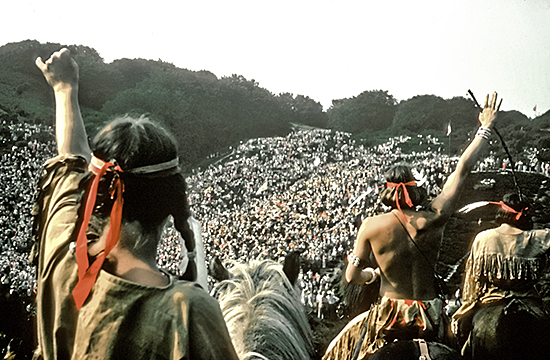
[[311, 179], [207, 114], [302, 188]]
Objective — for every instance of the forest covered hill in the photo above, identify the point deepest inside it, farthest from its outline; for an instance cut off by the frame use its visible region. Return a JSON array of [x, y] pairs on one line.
[[206, 113]]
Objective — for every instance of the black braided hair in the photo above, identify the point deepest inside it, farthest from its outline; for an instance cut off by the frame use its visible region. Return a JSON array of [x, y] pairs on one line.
[[181, 216]]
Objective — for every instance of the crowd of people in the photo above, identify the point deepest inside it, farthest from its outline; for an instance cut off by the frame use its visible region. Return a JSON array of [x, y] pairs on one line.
[[302, 192], [264, 198], [94, 223], [23, 152]]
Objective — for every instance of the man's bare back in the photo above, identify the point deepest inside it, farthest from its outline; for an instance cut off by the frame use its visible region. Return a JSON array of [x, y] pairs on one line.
[[408, 307], [405, 272]]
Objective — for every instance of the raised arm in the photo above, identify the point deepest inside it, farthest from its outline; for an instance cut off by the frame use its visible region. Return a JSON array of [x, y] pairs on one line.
[[445, 203], [61, 72]]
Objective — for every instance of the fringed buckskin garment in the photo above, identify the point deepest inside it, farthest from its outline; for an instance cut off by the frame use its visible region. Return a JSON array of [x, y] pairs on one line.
[[501, 266], [388, 320], [120, 319]]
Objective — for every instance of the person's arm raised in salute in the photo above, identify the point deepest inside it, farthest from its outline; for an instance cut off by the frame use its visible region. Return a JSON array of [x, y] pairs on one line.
[[445, 203], [61, 72]]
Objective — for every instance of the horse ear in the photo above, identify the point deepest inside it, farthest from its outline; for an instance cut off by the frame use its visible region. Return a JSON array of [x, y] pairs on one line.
[[291, 266], [217, 270]]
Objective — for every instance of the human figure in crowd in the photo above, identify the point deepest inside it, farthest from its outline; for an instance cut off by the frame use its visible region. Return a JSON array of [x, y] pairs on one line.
[[320, 304], [404, 243], [503, 267], [99, 219]]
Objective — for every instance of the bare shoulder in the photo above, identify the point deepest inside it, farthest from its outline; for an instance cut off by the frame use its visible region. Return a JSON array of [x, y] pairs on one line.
[[377, 228], [377, 222]]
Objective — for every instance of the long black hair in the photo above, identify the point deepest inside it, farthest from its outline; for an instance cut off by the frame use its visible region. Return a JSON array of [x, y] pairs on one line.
[[148, 199]]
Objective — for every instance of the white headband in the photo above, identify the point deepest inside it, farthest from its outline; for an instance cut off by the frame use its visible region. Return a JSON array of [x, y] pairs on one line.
[[149, 169], [142, 170]]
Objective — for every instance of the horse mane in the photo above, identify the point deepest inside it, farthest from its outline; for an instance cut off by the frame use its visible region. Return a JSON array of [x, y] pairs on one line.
[[264, 315]]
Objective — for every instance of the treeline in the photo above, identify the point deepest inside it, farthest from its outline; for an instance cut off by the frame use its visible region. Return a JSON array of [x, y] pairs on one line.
[[377, 114], [208, 114]]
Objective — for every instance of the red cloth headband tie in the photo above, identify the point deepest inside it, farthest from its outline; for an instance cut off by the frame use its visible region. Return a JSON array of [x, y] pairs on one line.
[[509, 209], [408, 200], [87, 274]]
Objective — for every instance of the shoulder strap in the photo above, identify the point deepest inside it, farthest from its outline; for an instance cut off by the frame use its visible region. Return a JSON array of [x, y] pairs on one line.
[[423, 347], [438, 279], [414, 242]]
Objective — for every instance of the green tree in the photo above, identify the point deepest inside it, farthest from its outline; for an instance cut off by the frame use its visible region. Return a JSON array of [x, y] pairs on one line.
[[423, 112], [255, 110], [370, 110], [461, 115], [542, 121], [204, 113], [99, 82], [303, 110]]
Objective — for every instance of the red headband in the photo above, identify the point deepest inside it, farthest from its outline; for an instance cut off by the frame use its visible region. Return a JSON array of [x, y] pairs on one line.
[[87, 274], [509, 209], [408, 200]]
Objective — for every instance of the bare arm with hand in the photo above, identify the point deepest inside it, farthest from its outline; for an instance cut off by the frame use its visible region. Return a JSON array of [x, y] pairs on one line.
[[61, 72], [445, 203]]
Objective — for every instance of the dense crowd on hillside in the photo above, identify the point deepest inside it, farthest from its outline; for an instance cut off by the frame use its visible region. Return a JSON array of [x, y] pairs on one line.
[[22, 159], [301, 192], [267, 197]]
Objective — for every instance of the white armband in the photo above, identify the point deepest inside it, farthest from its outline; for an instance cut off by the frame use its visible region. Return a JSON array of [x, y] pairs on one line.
[[354, 260], [484, 132], [374, 272]]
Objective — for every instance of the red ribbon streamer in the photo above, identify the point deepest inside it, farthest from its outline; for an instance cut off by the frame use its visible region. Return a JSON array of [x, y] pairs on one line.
[[408, 200], [87, 274], [508, 208]]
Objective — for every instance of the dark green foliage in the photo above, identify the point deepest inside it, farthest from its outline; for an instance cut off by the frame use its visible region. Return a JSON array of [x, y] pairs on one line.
[[99, 82], [133, 71], [204, 113], [302, 109], [543, 121], [371, 110], [370, 138], [207, 114], [95, 120], [252, 109], [23, 89], [420, 112]]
